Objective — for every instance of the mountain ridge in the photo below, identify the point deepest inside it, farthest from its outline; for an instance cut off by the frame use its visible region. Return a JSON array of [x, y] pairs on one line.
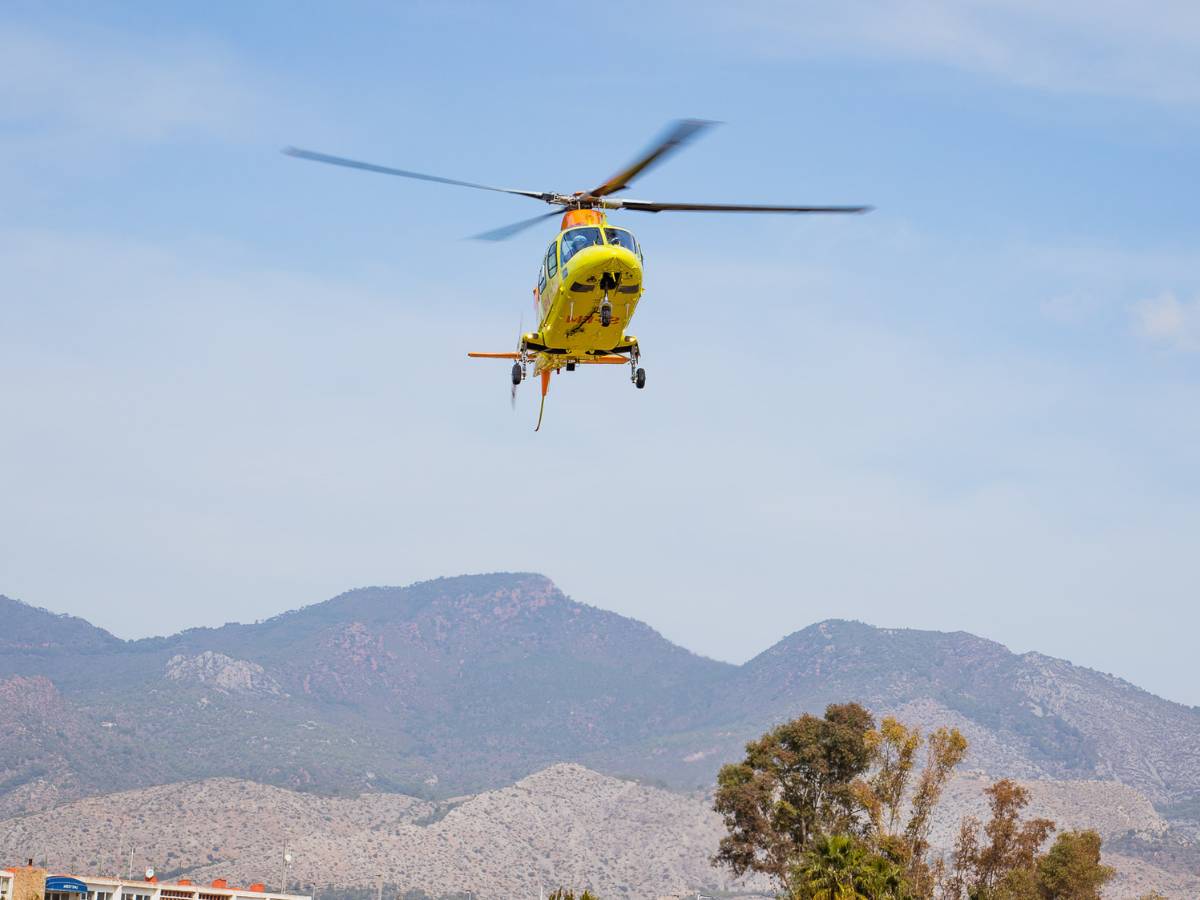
[[470, 682], [8, 603]]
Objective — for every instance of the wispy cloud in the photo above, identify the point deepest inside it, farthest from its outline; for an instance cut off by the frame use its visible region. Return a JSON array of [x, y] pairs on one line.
[[1102, 47], [1166, 319]]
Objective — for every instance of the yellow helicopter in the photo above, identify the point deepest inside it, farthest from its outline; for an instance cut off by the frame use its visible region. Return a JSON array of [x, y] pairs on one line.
[[590, 278]]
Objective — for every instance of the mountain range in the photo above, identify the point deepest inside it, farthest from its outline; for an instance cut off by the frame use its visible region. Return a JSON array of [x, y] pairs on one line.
[[471, 683]]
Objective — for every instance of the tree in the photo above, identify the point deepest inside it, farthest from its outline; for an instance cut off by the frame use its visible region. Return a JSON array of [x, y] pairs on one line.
[[832, 869], [882, 878], [1012, 844], [830, 804], [795, 785], [947, 748], [894, 749], [565, 894], [1071, 868], [1006, 865], [966, 851], [839, 867], [886, 796], [1017, 884]]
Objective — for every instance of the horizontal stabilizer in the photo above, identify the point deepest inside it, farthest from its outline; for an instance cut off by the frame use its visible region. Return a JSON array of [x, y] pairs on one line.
[[494, 355]]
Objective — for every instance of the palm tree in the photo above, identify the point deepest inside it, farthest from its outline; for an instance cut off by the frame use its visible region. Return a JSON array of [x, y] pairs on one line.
[[831, 870], [880, 878], [838, 867]]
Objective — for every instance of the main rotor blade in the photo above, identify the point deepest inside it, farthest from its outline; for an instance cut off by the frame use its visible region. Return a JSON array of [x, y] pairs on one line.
[[385, 170], [507, 231], [677, 135], [651, 206]]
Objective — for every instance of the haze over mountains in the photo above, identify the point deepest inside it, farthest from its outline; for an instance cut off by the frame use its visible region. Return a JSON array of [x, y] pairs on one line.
[[461, 684], [466, 684]]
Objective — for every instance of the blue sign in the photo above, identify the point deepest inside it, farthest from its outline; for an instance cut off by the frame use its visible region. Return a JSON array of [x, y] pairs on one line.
[[66, 884]]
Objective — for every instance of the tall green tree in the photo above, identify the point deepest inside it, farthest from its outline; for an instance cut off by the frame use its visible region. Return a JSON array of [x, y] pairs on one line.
[[812, 780], [795, 785], [1071, 868]]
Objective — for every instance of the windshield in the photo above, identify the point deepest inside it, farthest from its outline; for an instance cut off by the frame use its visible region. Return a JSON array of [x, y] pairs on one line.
[[576, 239], [621, 238]]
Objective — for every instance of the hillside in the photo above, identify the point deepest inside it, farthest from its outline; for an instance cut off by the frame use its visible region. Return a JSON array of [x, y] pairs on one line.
[[32, 630], [463, 684], [445, 686], [1026, 716], [563, 825]]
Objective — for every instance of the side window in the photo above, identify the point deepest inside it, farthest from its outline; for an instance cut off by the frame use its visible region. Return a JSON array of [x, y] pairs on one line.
[[552, 259], [541, 279]]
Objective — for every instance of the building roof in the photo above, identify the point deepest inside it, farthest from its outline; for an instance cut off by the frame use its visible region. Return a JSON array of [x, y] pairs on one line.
[[183, 889]]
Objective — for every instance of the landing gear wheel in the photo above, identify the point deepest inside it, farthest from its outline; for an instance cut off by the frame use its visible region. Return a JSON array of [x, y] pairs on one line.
[[570, 367], [606, 314], [639, 379], [517, 374]]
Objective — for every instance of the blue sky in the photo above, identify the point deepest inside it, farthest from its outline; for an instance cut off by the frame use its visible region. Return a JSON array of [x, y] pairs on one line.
[[235, 382]]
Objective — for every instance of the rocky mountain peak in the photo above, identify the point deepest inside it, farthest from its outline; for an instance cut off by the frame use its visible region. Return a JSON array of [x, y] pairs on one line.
[[224, 673]]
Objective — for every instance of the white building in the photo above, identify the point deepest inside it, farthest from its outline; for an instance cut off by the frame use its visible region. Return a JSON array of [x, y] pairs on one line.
[[36, 884]]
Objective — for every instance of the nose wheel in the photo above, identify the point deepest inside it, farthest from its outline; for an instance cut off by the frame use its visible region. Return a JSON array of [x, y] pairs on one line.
[[639, 378], [518, 375]]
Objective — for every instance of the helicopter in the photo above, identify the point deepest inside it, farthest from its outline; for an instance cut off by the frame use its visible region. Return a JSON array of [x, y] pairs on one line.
[[589, 280]]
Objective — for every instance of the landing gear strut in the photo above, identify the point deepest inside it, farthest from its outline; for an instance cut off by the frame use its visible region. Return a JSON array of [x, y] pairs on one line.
[[636, 374]]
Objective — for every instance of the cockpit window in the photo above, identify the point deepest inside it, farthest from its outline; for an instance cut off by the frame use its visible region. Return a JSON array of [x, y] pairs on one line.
[[621, 238], [552, 259], [576, 239]]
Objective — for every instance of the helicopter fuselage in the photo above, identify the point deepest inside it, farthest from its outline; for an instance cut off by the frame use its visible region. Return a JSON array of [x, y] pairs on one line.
[[589, 285]]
